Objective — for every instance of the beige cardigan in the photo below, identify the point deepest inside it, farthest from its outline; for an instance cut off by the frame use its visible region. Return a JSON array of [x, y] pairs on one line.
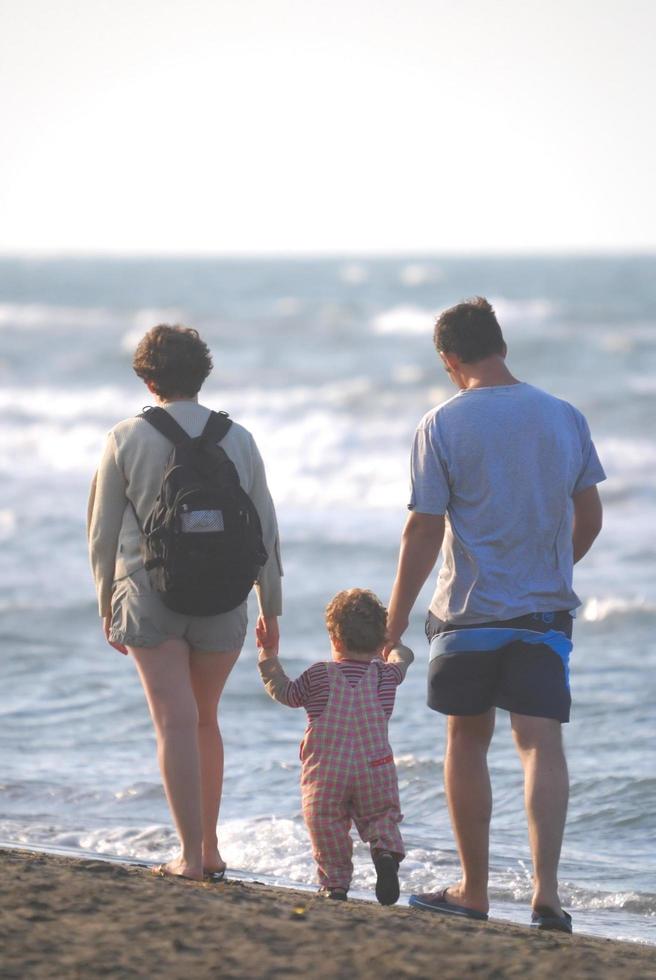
[[132, 466]]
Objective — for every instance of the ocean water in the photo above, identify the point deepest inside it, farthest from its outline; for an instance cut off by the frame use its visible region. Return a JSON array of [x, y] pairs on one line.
[[330, 364]]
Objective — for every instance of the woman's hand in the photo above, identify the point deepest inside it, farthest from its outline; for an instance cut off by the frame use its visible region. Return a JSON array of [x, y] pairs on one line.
[[267, 637], [107, 622]]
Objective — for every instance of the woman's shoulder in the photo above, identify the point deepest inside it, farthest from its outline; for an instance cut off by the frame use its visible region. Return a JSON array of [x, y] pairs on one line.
[[134, 431], [242, 440], [240, 431], [127, 427]]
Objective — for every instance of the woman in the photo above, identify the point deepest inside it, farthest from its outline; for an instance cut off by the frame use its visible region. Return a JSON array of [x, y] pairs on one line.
[[183, 661]]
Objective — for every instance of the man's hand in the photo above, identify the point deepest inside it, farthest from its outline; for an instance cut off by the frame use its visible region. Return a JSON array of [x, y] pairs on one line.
[[267, 637], [420, 545], [395, 631], [107, 623]]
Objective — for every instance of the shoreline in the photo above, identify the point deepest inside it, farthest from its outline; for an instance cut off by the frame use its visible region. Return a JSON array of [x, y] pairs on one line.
[[501, 912], [67, 917]]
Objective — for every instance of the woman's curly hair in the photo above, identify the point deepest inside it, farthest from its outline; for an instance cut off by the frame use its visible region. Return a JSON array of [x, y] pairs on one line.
[[358, 619], [174, 360]]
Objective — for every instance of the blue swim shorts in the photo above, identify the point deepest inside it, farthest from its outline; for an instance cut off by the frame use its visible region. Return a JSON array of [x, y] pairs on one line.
[[521, 665]]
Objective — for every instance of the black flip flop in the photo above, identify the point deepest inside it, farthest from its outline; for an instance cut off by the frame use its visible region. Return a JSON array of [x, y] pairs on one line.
[[546, 919], [214, 876], [160, 870], [438, 902]]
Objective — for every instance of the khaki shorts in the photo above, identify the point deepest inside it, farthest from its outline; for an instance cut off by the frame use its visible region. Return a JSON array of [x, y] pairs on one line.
[[140, 619]]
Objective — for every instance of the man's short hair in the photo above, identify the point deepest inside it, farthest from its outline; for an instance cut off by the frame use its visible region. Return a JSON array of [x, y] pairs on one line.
[[174, 360], [358, 619], [470, 330]]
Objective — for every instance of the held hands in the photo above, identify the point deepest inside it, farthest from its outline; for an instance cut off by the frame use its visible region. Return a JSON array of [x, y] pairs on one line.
[[117, 646], [395, 630], [267, 637]]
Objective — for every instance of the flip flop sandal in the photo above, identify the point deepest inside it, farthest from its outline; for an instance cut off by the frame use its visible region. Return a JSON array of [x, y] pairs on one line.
[[214, 876], [161, 871], [546, 919], [438, 902]]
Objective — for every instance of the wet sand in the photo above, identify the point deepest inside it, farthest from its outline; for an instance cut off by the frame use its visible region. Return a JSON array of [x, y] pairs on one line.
[[67, 918]]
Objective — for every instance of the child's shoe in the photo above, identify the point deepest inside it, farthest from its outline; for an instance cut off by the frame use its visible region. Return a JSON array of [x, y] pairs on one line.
[[387, 878], [337, 894]]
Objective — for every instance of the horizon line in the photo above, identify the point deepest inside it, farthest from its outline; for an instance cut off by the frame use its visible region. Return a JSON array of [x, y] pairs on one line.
[[325, 255]]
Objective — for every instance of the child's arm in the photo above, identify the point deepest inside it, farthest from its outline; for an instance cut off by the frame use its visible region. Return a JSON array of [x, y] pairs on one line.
[[277, 684], [401, 656]]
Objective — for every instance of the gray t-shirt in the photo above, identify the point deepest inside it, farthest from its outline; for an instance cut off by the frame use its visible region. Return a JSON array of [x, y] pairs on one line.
[[503, 464]]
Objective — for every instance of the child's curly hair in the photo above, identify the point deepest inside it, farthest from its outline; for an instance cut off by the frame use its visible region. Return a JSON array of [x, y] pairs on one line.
[[358, 619], [173, 359]]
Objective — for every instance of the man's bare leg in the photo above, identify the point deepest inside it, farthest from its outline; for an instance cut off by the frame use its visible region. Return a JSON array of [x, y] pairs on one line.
[[469, 795], [546, 792]]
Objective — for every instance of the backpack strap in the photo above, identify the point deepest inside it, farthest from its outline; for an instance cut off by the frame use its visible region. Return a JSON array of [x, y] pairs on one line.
[[216, 427], [160, 419]]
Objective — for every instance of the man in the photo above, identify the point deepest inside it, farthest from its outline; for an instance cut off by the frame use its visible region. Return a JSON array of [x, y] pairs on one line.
[[504, 480]]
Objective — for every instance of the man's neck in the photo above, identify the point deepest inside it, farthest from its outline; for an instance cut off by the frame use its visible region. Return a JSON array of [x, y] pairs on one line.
[[488, 373]]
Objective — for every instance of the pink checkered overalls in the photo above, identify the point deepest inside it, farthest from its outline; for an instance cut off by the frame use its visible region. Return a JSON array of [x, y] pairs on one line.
[[349, 774]]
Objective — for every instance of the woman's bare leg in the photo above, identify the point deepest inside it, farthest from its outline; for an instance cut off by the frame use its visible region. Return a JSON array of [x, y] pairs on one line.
[[166, 678], [209, 672]]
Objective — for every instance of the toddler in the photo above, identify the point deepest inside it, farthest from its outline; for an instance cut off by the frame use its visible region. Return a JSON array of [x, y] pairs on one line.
[[348, 770]]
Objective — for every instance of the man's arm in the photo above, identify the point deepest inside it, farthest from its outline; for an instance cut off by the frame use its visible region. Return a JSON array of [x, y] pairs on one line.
[[420, 545], [588, 519]]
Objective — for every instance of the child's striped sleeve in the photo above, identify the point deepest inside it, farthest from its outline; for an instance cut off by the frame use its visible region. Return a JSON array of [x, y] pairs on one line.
[[295, 694]]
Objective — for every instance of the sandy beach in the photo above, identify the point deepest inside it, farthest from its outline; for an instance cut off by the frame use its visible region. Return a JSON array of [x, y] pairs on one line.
[[67, 918]]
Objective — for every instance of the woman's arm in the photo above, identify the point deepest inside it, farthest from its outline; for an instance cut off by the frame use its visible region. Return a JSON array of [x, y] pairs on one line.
[[107, 503], [268, 585], [278, 685]]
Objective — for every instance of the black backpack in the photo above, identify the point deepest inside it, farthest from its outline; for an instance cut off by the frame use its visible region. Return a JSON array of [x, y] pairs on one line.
[[202, 541]]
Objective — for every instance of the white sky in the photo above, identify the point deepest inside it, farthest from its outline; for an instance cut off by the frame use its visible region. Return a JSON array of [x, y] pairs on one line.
[[278, 126]]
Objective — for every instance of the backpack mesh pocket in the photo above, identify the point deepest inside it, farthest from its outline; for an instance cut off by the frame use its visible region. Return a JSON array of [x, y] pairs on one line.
[[201, 521]]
